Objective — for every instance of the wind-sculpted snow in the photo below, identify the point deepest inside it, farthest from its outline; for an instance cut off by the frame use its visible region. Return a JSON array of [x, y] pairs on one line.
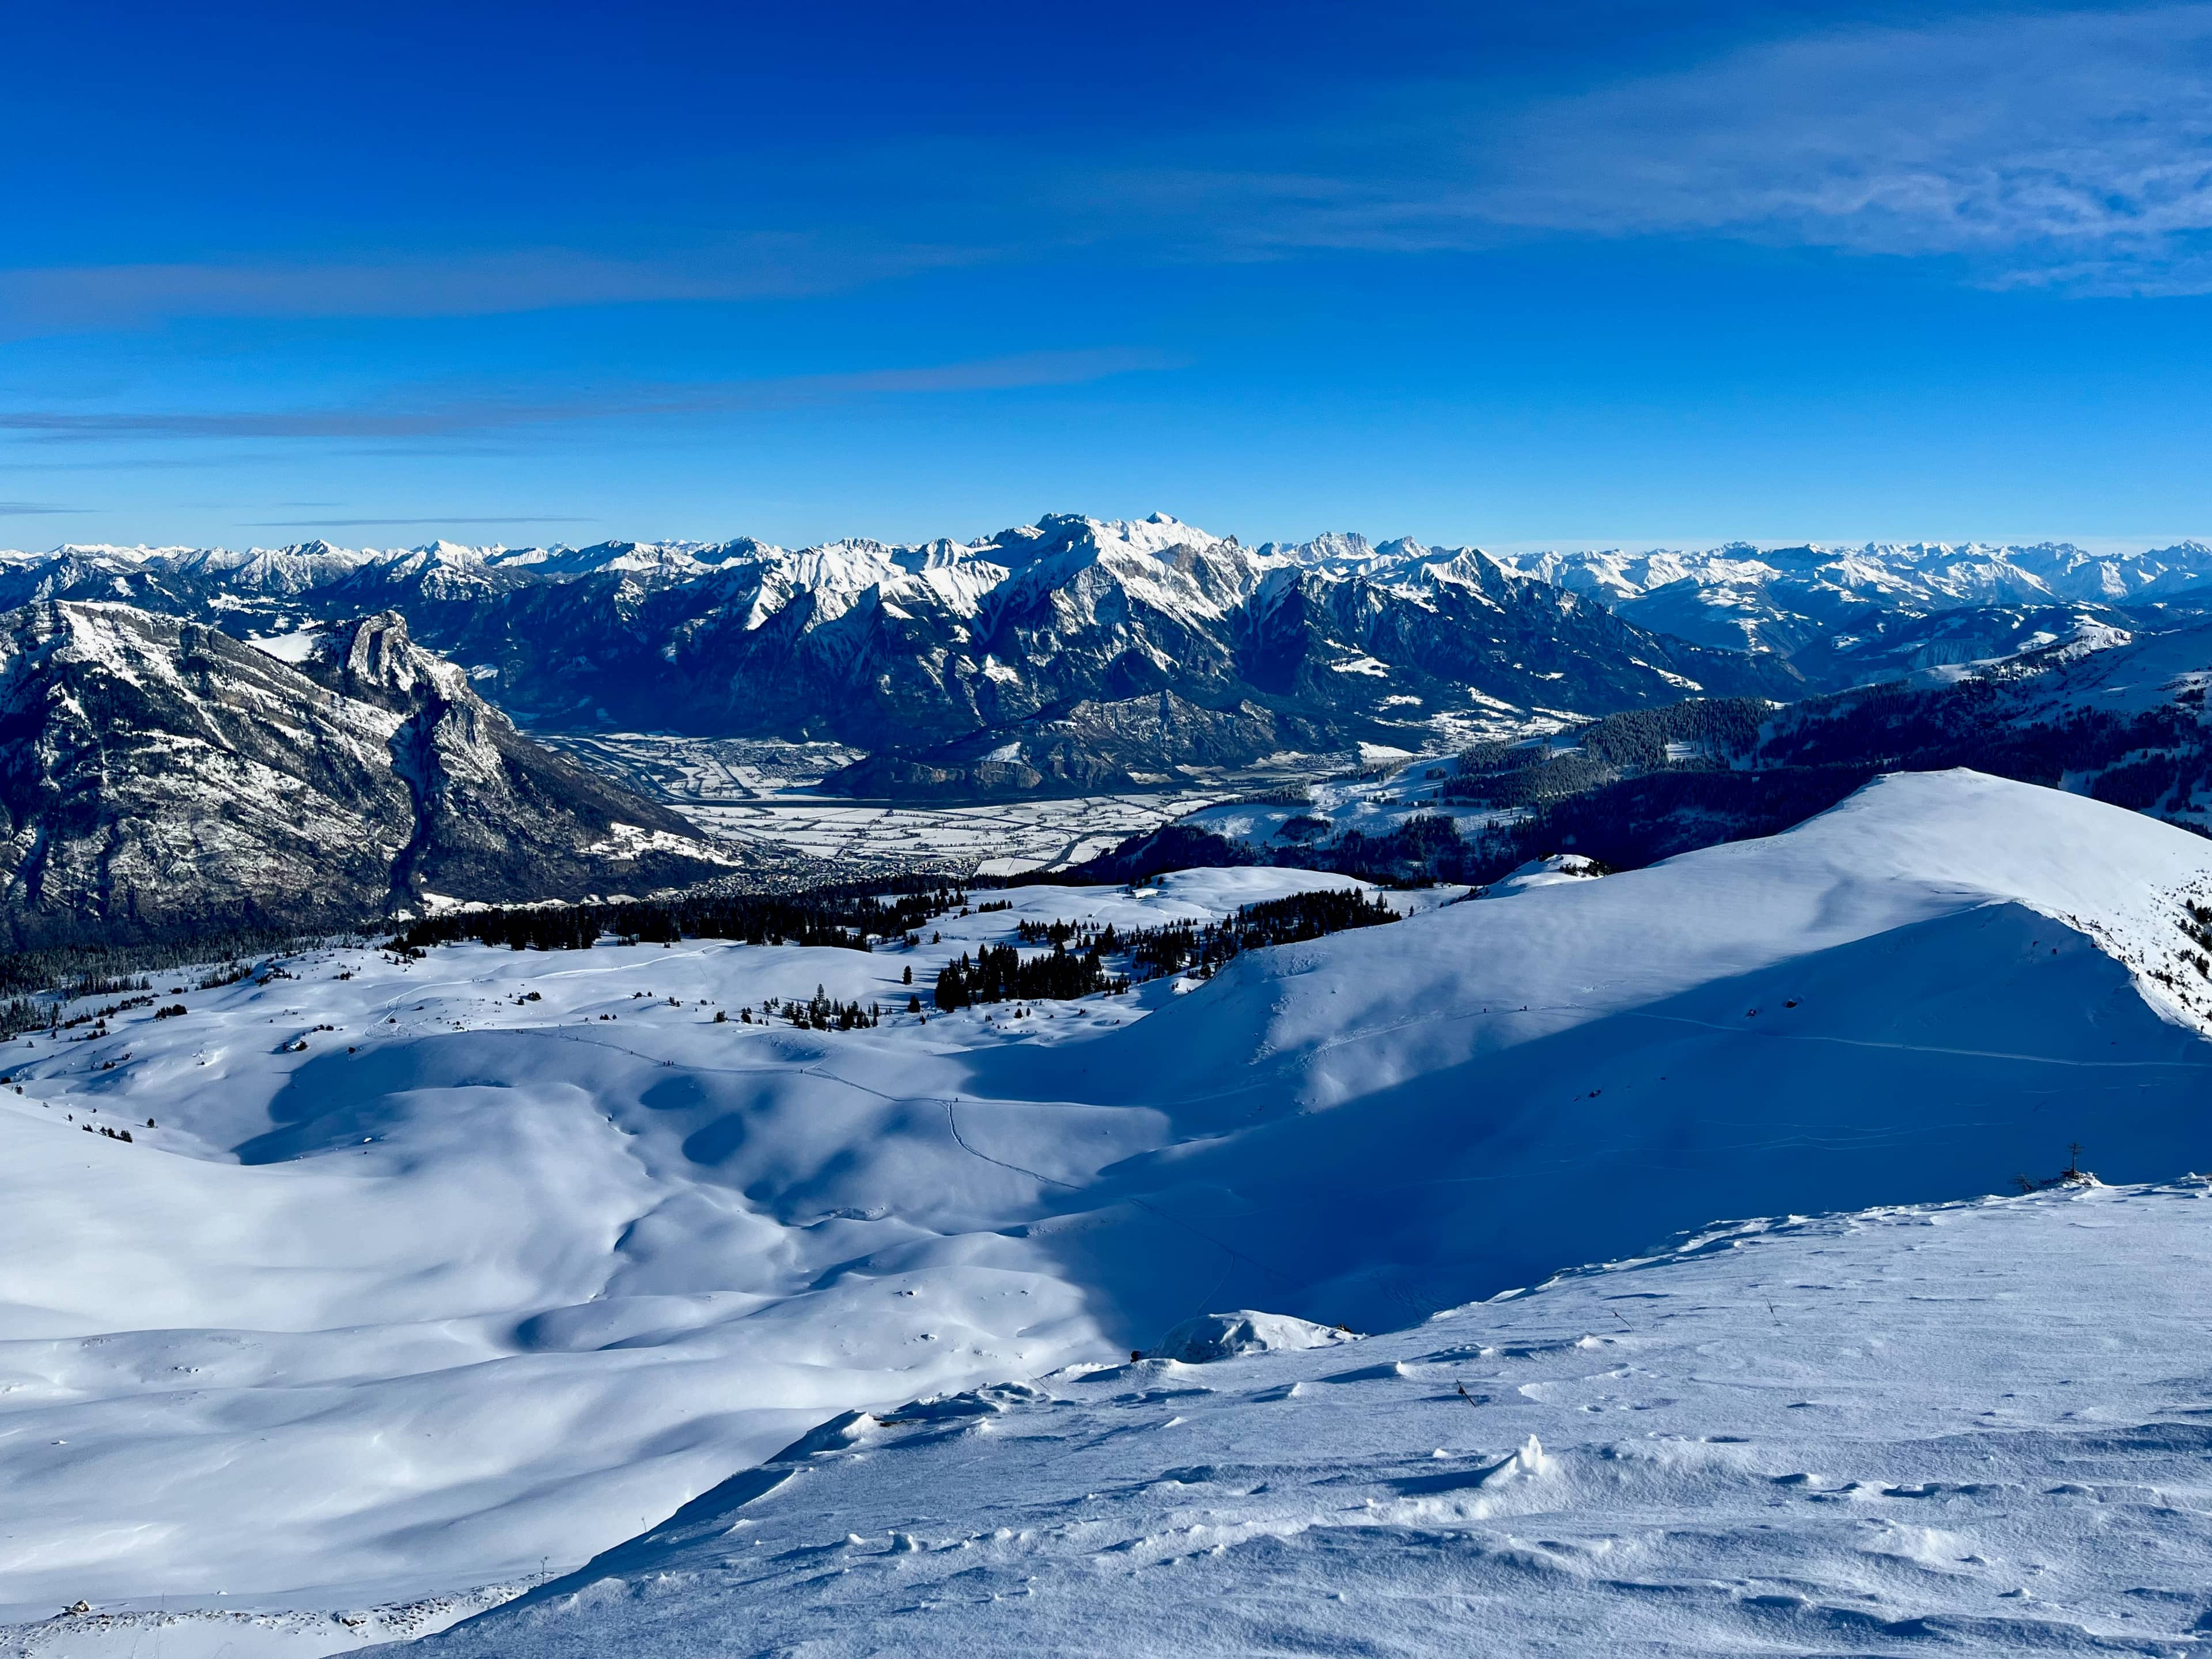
[[474, 1279], [1973, 1428]]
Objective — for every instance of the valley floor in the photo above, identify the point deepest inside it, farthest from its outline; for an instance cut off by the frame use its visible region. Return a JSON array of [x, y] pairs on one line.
[[762, 793]]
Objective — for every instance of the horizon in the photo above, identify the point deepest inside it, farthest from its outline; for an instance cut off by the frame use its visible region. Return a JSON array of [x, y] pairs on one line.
[[2101, 547]]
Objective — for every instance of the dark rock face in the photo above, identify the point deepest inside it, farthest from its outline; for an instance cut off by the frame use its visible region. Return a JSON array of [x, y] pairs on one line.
[[158, 778]]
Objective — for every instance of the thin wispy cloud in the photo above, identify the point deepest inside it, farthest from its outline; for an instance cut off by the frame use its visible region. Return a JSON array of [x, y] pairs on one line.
[[2068, 148], [2064, 148], [461, 284], [433, 416], [430, 518], [2072, 149], [45, 463], [36, 509]]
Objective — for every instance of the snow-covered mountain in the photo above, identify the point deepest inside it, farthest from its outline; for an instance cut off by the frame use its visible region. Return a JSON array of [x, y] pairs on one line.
[[524, 1250], [911, 648], [160, 778], [1783, 599], [1085, 653]]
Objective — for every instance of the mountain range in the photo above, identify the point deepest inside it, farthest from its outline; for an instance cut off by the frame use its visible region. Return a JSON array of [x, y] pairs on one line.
[[1784, 598], [1077, 654], [1069, 652]]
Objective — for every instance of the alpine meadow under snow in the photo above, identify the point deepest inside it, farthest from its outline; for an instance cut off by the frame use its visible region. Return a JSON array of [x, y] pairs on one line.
[[430, 1276]]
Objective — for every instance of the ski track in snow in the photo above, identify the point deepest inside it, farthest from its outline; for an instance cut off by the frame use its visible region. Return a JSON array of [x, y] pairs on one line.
[[475, 1284], [1910, 1047]]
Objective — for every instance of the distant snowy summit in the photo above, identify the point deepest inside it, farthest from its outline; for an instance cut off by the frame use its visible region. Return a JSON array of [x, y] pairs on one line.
[[1781, 598]]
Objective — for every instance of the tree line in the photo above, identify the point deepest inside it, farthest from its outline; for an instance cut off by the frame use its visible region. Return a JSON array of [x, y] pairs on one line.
[[999, 972], [835, 916]]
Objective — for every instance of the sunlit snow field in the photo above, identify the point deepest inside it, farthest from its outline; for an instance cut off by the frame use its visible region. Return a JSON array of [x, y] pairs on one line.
[[1976, 1429], [474, 1285]]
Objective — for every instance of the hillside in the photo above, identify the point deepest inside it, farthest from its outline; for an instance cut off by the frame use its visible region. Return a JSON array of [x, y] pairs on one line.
[[2105, 713], [159, 779], [523, 1249]]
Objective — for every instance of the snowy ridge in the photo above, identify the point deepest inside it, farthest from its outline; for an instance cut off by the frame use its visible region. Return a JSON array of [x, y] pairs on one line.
[[1927, 576], [1970, 573], [165, 779], [216, 1633], [2111, 669]]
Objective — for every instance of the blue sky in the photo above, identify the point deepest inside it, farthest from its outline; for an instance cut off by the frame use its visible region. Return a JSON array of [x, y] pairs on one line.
[[1592, 274]]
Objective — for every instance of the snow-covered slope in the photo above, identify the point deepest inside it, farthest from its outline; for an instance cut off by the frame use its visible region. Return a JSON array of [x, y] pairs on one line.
[[2113, 672], [474, 1279], [1896, 1000], [1974, 1429], [424, 1272]]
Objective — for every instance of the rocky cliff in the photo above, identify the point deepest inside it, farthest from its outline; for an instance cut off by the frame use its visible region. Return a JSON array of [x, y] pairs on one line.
[[158, 778]]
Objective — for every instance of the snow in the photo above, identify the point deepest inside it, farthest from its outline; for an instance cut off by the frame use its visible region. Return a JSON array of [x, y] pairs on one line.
[[630, 840], [2107, 669], [463, 1281], [295, 647], [1204, 1338], [1543, 872], [1759, 598], [763, 793], [215, 1632], [1372, 804], [1975, 1428], [473, 1281]]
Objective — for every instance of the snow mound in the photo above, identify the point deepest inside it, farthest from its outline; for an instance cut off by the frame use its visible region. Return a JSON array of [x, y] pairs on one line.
[[1208, 1337], [1544, 873], [986, 1402]]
